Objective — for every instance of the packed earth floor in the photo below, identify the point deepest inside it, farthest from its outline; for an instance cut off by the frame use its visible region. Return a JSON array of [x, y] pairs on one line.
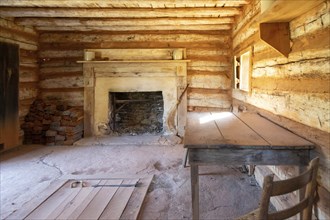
[[226, 192]]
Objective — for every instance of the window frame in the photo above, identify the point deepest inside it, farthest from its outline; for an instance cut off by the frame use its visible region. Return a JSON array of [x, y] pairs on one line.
[[238, 71]]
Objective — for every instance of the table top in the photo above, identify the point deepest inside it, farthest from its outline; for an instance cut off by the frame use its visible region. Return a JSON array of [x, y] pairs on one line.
[[239, 130]]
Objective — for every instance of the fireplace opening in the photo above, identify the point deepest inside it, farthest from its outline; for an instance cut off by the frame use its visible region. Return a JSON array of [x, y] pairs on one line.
[[135, 113]]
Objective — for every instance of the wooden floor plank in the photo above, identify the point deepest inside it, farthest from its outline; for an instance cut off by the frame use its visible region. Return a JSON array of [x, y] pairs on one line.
[[57, 211], [37, 200], [100, 200], [74, 203], [119, 201], [274, 134], [135, 203], [201, 129], [49, 205], [64, 202], [236, 132], [76, 213]]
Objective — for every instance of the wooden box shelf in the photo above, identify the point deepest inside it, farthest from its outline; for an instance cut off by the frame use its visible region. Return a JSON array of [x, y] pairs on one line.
[[274, 21]]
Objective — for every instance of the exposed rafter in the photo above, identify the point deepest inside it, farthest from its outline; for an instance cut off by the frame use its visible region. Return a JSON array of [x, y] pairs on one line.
[[123, 3], [69, 22], [123, 15], [118, 13], [137, 28]]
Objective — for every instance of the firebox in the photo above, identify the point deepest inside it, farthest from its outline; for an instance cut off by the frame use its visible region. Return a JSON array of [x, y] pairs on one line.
[[134, 113]]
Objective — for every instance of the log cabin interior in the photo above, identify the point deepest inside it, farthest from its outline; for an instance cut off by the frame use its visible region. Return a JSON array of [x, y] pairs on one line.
[[73, 70]]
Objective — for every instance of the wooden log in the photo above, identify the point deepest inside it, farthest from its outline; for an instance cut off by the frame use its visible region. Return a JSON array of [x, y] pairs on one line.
[[126, 3], [19, 35], [209, 81], [67, 22], [63, 82], [299, 84], [118, 13], [72, 37], [51, 133], [135, 28], [209, 100]]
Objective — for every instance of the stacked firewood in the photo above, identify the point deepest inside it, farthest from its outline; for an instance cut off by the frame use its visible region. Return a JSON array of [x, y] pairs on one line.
[[53, 124]]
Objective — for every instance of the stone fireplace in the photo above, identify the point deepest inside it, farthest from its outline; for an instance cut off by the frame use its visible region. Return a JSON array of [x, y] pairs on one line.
[[128, 71]]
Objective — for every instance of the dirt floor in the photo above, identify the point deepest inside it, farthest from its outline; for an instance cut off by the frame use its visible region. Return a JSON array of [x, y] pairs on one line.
[[225, 192]]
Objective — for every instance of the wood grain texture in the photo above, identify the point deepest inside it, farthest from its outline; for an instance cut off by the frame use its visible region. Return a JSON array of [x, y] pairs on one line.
[[97, 205], [95, 196], [236, 156], [117, 13], [272, 133], [207, 49], [125, 3], [201, 131], [37, 200], [247, 131], [144, 22], [26, 39], [135, 203], [116, 206], [303, 68], [283, 11], [72, 205]]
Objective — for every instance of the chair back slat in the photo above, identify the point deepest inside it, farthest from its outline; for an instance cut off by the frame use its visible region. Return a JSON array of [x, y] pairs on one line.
[[286, 213], [275, 188], [285, 186]]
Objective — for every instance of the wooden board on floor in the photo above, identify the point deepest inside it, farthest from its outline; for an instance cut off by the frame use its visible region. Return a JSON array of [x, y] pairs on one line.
[[88, 198]]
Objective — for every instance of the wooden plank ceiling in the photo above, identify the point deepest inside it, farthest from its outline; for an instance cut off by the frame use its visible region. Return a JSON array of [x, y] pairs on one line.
[[123, 15]]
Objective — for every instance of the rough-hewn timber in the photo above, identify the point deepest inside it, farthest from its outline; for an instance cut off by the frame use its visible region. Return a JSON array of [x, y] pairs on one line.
[[296, 87], [27, 39], [209, 68]]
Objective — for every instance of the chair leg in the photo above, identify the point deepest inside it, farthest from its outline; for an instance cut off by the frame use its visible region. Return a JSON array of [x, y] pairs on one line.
[[251, 169]]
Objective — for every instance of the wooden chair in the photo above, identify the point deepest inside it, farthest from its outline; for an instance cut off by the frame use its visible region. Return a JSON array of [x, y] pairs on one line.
[[271, 188]]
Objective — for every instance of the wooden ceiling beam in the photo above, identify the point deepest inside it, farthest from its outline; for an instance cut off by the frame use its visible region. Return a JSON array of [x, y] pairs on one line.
[[118, 13], [137, 28], [63, 22], [123, 3]]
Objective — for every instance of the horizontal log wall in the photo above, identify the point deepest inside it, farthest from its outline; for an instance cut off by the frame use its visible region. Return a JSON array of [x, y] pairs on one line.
[[296, 87], [27, 39], [208, 71]]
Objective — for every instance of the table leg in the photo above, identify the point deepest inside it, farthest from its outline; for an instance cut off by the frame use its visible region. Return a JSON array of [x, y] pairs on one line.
[[194, 191]]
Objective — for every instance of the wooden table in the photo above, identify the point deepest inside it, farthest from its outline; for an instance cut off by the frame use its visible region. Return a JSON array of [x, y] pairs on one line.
[[226, 138]]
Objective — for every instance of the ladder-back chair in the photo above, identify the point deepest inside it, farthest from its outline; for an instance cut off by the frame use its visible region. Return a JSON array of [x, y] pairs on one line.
[[271, 188]]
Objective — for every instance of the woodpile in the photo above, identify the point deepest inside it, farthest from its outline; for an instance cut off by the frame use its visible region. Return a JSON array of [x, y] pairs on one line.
[[53, 124]]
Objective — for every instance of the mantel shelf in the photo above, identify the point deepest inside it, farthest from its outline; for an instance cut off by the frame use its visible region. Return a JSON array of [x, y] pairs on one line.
[[133, 61]]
